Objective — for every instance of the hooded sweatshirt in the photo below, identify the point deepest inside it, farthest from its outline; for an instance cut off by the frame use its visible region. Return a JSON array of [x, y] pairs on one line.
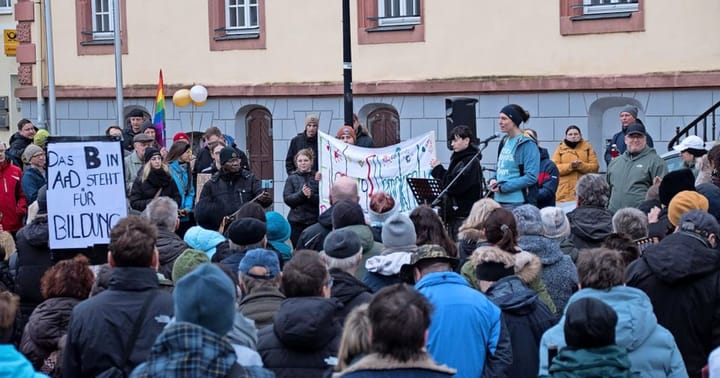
[[205, 240], [589, 226], [558, 271]]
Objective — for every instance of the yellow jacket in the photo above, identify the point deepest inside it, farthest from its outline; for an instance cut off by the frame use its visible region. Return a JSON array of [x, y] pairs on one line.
[[563, 157]]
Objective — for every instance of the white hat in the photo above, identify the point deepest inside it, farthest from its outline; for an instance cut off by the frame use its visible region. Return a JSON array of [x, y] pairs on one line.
[[693, 141]]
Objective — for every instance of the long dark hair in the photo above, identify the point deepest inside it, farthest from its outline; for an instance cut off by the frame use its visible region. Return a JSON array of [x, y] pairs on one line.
[[429, 229], [501, 229]]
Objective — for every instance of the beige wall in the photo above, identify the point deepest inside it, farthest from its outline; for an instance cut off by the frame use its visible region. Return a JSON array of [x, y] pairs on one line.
[[304, 44], [8, 67]]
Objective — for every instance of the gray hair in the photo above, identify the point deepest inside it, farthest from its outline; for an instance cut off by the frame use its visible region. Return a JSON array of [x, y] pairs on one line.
[[593, 190], [163, 213], [345, 264], [631, 221]]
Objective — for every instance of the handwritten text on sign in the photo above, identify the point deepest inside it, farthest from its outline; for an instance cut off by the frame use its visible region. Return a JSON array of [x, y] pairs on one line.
[[375, 169], [86, 192]]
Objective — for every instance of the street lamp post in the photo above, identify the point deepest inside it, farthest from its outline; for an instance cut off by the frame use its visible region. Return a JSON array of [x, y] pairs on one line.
[[347, 64]]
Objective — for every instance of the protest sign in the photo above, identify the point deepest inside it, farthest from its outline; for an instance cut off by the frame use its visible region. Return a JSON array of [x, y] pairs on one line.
[[375, 169], [86, 190]]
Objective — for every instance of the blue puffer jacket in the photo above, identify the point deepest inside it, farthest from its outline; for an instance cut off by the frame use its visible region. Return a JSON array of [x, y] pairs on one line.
[[185, 186], [14, 364], [463, 320], [651, 348], [205, 240]]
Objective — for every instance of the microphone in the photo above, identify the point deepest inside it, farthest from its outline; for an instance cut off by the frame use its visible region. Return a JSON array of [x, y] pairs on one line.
[[488, 139]]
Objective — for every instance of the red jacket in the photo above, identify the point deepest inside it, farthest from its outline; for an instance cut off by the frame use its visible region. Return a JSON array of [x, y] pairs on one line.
[[13, 204]]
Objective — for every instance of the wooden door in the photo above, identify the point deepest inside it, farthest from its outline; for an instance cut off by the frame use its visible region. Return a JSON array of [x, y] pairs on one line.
[[258, 124], [384, 125]]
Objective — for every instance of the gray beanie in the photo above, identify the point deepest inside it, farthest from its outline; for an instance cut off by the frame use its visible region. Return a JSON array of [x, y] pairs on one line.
[[529, 221], [630, 109], [555, 222], [398, 231]]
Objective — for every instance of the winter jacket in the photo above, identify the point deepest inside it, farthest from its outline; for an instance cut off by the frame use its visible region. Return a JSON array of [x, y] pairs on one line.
[[297, 143], [589, 226], [468, 241], [13, 203], [185, 186], [128, 135], [303, 209], [526, 159], [630, 177], [144, 191], [169, 246], [205, 160], [547, 180], [466, 190], [558, 271], [607, 362], [349, 291], [32, 180], [313, 237], [33, 259], [188, 350], [100, 326], [232, 189], [243, 338], [47, 324], [681, 275], [14, 364], [526, 318], [303, 339], [16, 146], [370, 246], [463, 319], [205, 240], [133, 165], [619, 141], [563, 158], [384, 270], [651, 348], [261, 304], [377, 366]]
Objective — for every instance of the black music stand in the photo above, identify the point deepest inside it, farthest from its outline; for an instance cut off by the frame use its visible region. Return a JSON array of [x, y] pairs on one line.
[[424, 190]]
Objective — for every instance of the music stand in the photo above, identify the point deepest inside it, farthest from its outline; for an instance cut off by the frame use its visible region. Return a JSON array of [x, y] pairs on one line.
[[424, 190]]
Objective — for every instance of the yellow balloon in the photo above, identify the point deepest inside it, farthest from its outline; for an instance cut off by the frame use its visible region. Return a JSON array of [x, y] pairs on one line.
[[181, 98], [199, 104]]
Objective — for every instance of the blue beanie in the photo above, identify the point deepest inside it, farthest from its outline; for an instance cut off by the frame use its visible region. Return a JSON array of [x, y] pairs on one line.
[[278, 232], [529, 220], [206, 297]]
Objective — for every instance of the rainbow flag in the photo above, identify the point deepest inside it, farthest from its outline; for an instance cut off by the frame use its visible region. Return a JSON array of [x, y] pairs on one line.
[[159, 117]]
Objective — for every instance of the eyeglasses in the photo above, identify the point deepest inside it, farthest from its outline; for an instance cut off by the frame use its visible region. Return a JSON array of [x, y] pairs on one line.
[[330, 282]]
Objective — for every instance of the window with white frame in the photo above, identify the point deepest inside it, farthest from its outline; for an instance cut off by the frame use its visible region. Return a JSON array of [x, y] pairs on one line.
[[398, 12], [609, 6], [102, 19], [6, 7], [241, 16]]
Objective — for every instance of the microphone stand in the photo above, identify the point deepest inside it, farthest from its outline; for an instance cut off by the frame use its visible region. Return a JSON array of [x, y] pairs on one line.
[[477, 157]]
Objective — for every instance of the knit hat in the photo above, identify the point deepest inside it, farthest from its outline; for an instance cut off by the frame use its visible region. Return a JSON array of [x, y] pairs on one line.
[[398, 232], [346, 213], [528, 220], [206, 297], [633, 110], [186, 262], [312, 118], [684, 202], [589, 323], [227, 154], [675, 182], [150, 152], [142, 138], [136, 113], [246, 231], [278, 232], [346, 130], [42, 199], [147, 124], [29, 152], [343, 243], [181, 136], [555, 223], [40, 138], [260, 257], [699, 222]]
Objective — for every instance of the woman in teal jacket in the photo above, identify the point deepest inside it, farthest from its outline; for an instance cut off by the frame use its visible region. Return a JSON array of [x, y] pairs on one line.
[[179, 160]]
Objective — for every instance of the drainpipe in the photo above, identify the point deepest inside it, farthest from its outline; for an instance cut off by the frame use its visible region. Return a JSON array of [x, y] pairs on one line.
[[52, 124], [39, 98], [118, 62]]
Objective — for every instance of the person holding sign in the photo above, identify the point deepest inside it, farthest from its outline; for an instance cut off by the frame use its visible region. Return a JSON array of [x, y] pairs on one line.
[[153, 181]]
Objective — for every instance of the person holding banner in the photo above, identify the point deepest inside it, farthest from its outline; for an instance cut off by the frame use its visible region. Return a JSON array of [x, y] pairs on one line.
[[466, 190], [301, 194], [153, 181]]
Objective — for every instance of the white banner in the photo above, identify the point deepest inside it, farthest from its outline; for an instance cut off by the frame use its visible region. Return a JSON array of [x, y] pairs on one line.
[[375, 169], [86, 192]]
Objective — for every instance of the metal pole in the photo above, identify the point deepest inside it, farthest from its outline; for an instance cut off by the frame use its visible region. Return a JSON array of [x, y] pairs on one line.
[[347, 64], [52, 125], [118, 63]]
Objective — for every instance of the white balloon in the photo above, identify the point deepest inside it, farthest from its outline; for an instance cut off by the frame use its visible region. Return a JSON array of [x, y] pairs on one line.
[[198, 93]]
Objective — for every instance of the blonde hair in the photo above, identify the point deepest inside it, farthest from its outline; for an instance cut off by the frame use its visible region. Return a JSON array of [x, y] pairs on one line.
[[355, 339], [147, 167], [479, 214]]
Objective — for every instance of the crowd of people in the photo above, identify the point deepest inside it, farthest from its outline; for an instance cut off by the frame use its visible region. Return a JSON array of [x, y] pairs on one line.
[[203, 280]]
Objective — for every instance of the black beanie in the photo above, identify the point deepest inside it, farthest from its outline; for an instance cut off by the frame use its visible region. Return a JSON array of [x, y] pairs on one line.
[[346, 213], [150, 152], [589, 323], [208, 214], [675, 182]]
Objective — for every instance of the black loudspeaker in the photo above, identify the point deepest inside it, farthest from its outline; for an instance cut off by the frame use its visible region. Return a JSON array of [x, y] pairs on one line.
[[460, 111]]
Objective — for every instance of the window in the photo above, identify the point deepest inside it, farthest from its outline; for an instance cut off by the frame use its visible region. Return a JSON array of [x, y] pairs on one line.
[[241, 16], [6, 7], [102, 19], [398, 12], [609, 6]]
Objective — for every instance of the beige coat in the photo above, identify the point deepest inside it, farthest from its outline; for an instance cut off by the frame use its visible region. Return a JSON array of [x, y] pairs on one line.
[[563, 157]]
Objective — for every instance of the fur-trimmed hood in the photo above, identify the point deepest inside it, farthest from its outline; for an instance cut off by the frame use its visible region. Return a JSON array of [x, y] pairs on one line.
[[375, 362], [527, 265]]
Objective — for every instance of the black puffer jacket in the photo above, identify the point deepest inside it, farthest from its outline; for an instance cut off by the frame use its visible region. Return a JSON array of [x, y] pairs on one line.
[[303, 338], [33, 259], [589, 226], [170, 247], [48, 323], [303, 210], [466, 190], [16, 147], [313, 237], [233, 190], [681, 275], [143, 192], [205, 160], [350, 291]]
